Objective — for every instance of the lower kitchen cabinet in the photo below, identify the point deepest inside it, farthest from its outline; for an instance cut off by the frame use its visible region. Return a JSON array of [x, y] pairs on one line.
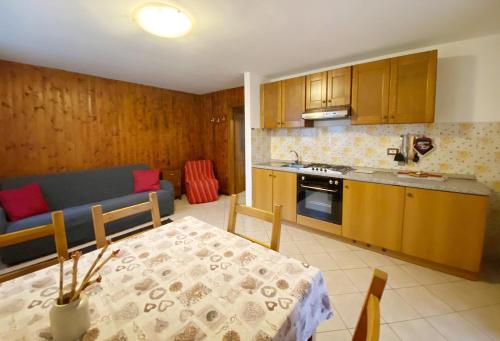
[[446, 228], [275, 188], [373, 213]]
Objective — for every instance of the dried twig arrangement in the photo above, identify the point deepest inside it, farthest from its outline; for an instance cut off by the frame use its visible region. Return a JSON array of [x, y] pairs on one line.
[[87, 281]]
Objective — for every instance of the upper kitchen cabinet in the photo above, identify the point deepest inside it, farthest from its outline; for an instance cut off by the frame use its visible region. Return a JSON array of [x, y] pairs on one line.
[[413, 88], [316, 90], [339, 87], [370, 92], [396, 90], [328, 89], [270, 105], [293, 101]]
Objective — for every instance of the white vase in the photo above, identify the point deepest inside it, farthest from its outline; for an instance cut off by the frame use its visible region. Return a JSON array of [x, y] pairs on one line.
[[69, 322]]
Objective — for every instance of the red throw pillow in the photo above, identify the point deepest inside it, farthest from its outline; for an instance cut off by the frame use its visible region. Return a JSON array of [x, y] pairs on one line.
[[23, 202], [146, 180]]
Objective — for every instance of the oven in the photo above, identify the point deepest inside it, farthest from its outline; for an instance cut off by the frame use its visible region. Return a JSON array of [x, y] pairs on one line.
[[320, 197]]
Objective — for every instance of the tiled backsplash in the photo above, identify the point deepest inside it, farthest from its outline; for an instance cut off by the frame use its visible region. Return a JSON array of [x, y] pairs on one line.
[[463, 148]]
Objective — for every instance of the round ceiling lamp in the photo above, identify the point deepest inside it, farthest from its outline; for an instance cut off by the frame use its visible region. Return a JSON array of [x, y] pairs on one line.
[[163, 20]]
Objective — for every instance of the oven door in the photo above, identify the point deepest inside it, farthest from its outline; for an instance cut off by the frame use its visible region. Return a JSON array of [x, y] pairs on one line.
[[316, 198]]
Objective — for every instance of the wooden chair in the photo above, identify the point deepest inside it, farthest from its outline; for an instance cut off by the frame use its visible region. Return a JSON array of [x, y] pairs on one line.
[[368, 327], [56, 229], [100, 218], [274, 218]]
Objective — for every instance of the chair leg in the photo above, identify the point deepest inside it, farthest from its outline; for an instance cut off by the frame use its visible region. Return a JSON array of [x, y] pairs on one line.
[[231, 225]]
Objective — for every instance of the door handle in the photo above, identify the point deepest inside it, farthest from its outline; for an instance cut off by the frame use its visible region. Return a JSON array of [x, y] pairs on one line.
[[320, 189]]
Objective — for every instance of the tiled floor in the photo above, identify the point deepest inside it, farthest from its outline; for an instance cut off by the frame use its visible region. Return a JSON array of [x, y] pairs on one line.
[[418, 303]]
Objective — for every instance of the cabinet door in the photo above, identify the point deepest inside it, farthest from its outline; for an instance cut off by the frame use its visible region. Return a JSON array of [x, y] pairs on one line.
[[339, 87], [413, 88], [446, 228], [262, 189], [316, 90], [370, 92], [293, 101], [285, 194], [270, 105], [373, 213]]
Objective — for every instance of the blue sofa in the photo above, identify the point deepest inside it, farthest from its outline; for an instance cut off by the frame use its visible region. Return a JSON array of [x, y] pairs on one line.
[[74, 193]]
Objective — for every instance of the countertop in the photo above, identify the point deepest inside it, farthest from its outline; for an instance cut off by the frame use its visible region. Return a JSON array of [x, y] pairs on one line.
[[454, 183]]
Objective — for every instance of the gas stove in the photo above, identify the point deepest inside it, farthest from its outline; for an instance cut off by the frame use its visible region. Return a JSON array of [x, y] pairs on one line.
[[323, 168]]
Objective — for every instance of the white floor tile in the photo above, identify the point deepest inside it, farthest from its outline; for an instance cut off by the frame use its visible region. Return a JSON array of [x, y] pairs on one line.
[[338, 283], [347, 259], [423, 301], [416, 330], [348, 306], [339, 335], [425, 276], [398, 278], [322, 261], [466, 294], [374, 259], [487, 319], [361, 277], [309, 247], [456, 328], [394, 309]]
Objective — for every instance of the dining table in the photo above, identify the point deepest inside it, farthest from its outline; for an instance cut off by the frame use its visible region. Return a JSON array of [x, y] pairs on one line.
[[185, 280]]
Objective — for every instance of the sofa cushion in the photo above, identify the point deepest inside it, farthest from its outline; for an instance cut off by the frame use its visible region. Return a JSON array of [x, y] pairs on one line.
[[70, 189], [79, 226], [146, 180], [23, 202]]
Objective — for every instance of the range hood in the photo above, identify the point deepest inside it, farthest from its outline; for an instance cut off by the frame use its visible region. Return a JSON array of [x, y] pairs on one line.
[[331, 114]]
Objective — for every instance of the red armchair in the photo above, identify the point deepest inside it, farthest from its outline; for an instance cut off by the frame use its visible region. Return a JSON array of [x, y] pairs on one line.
[[200, 181]]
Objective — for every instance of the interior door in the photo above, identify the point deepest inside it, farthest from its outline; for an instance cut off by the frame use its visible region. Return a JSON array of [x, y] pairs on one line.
[[293, 101], [370, 92], [339, 87], [413, 88], [270, 105], [239, 149], [316, 90]]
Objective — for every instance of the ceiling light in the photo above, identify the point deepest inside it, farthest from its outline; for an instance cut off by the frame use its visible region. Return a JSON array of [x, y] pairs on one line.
[[163, 20]]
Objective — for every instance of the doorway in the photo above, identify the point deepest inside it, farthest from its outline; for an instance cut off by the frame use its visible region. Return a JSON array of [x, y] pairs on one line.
[[237, 138]]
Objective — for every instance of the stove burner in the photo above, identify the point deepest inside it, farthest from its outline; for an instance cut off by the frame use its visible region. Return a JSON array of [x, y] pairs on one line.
[[325, 168]]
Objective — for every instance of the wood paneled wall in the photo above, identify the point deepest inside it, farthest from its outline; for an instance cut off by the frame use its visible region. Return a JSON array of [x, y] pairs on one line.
[[55, 121], [217, 110]]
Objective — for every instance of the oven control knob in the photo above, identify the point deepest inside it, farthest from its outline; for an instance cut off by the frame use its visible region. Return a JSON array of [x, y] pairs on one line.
[[303, 178], [336, 182], [330, 182]]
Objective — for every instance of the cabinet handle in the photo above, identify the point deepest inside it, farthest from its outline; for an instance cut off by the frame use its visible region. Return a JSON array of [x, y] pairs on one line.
[[409, 195], [323, 101], [393, 116], [329, 100], [346, 187], [384, 117]]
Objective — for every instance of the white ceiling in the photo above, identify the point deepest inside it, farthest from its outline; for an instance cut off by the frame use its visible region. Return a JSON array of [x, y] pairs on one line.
[[269, 37]]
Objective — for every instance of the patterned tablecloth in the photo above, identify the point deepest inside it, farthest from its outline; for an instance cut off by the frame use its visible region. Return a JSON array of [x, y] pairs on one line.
[[186, 280]]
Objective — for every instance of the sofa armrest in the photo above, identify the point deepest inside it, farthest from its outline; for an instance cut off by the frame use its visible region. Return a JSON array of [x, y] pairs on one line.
[[3, 221], [166, 185]]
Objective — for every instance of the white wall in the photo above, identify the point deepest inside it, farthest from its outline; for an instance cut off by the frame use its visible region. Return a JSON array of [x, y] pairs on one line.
[[468, 79], [252, 120]]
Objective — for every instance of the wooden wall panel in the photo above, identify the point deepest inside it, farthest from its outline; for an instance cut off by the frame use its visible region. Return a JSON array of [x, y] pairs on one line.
[[56, 121], [217, 111]]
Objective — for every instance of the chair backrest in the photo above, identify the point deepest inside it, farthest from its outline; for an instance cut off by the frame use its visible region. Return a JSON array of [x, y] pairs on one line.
[[198, 170], [272, 217], [100, 219], [368, 327], [56, 229]]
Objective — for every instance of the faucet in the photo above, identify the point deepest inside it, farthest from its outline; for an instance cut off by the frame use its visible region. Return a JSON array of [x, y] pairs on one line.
[[296, 156]]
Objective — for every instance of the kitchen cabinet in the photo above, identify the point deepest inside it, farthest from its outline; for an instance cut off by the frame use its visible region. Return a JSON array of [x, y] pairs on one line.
[[316, 90], [395, 90], [445, 228], [275, 188], [339, 87], [413, 88], [373, 213], [293, 99], [328, 89], [270, 105], [370, 92]]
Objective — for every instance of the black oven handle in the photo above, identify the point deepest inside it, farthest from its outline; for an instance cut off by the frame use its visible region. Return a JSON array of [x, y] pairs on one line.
[[320, 189]]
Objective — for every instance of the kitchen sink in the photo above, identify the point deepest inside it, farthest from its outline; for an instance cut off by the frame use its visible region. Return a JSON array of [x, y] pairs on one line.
[[293, 165]]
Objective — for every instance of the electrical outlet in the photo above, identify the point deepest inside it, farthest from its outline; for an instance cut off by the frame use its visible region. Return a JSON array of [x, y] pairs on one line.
[[392, 151]]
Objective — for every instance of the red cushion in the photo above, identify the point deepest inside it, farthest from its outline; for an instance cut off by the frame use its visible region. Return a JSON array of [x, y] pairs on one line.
[[23, 202], [146, 180]]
